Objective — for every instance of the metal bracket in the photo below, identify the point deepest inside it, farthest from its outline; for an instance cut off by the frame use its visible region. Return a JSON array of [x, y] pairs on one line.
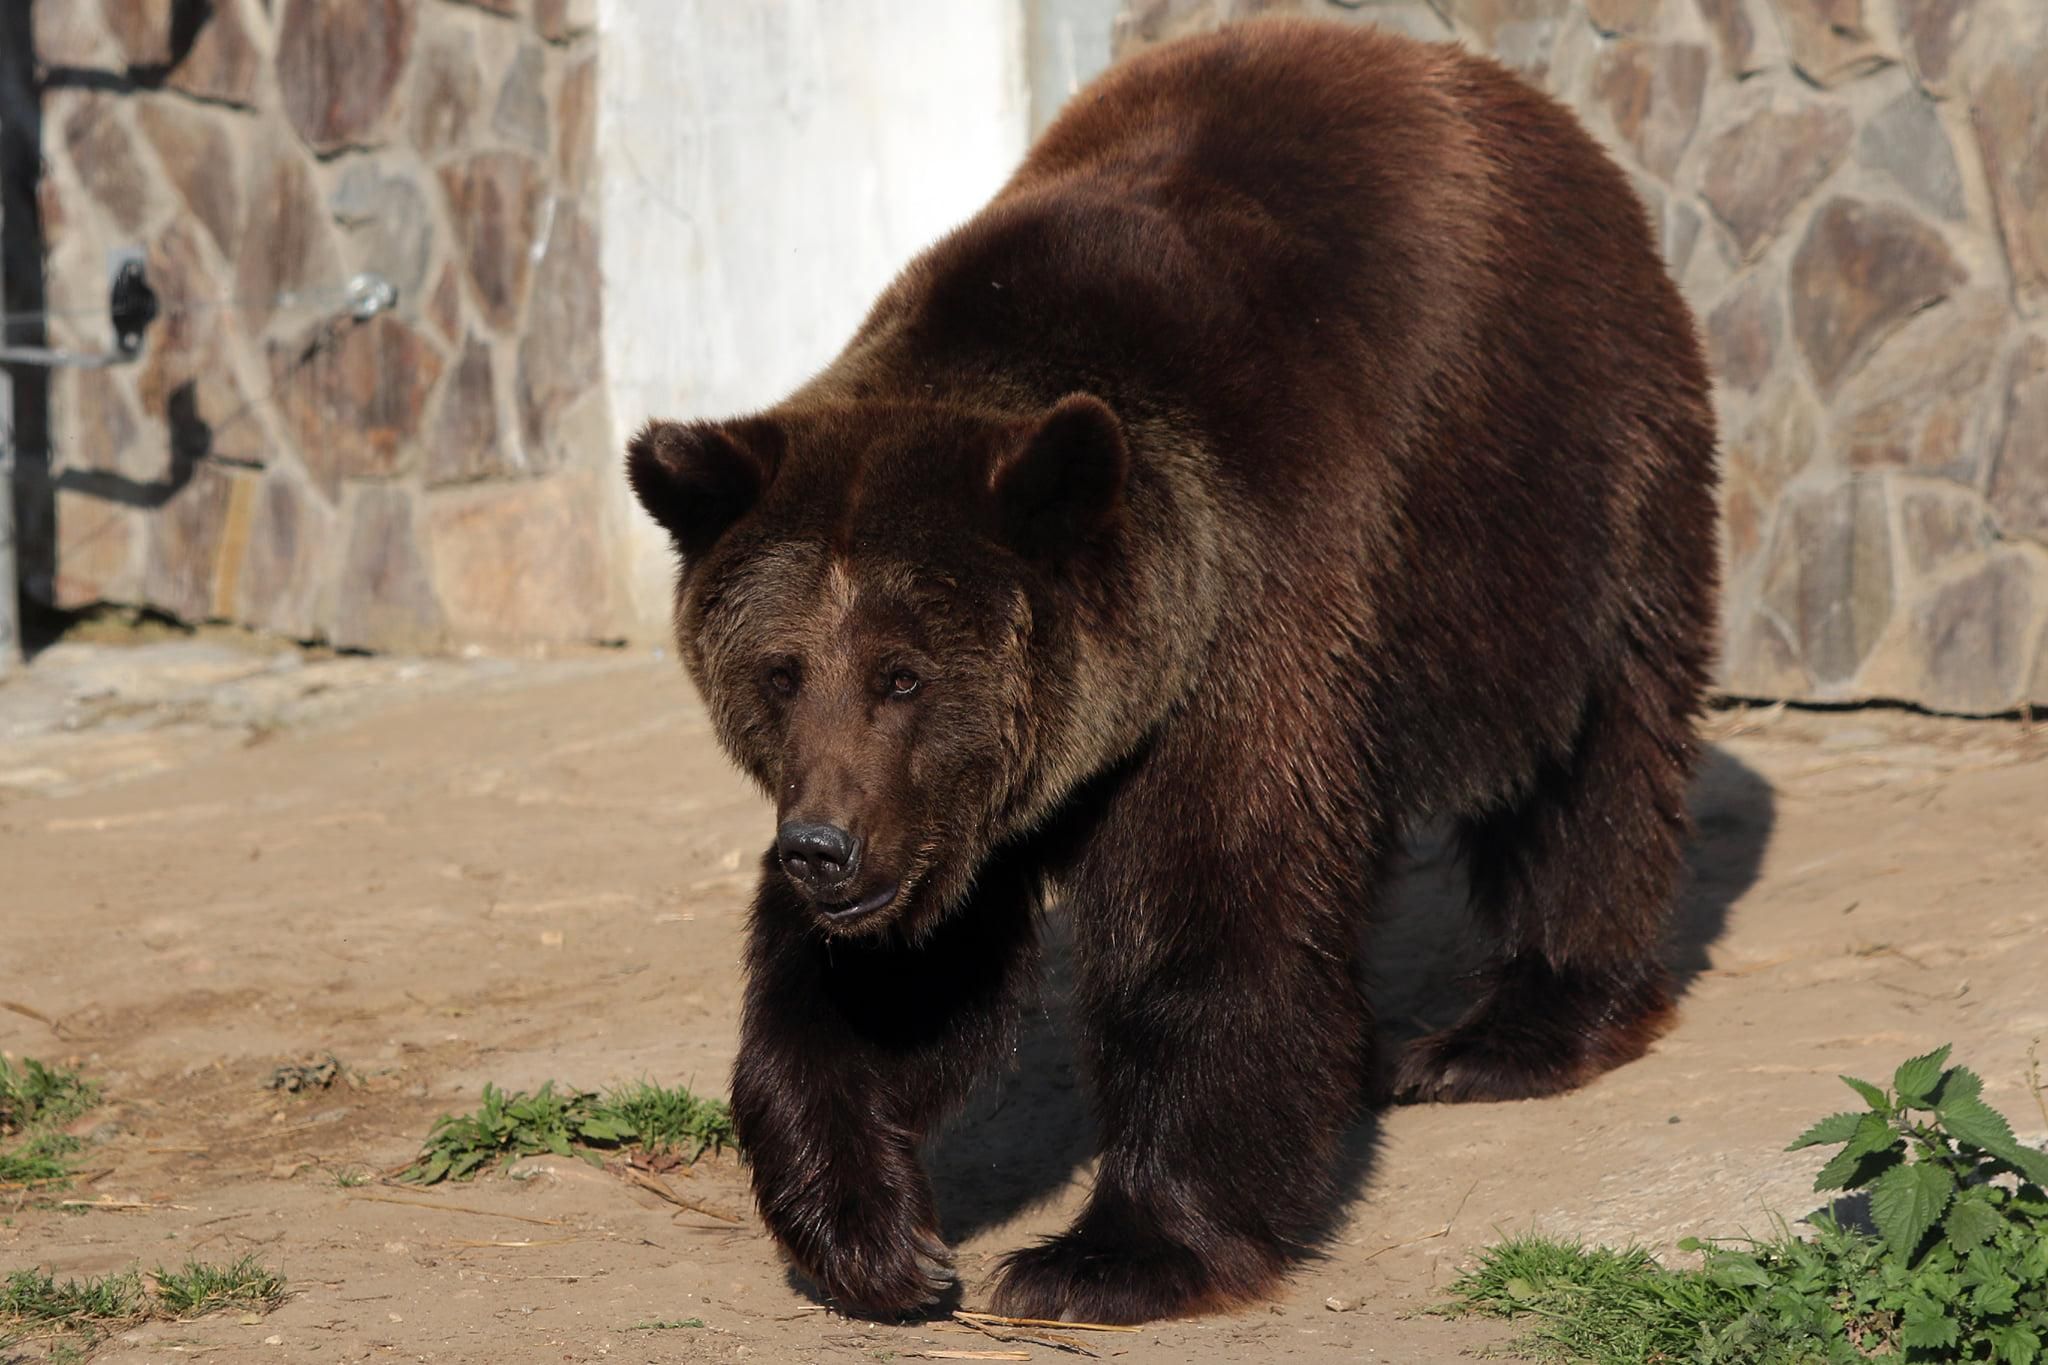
[[131, 307]]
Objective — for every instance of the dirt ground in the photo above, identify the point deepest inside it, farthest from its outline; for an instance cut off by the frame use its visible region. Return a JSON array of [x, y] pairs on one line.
[[216, 859]]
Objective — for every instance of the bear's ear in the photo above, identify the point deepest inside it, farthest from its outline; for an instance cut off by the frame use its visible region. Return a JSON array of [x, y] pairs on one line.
[[698, 478], [1062, 481]]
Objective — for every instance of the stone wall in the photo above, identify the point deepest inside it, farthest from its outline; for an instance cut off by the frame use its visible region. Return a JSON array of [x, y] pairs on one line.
[[1854, 196], [429, 476]]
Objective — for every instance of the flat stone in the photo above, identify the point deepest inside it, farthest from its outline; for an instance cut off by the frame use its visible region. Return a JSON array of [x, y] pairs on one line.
[[73, 36], [464, 445], [446, 90], [1762, 659], [224, 63], [2010, 112], [387, 225], [98, 551], [233, 555], [560, 594], [1829, 574], [102, 151], [338, 62], [495, 199], [1931, 31], [1741, 521], [1830, 40], [288, 246], [1976, 636], [560, 355], [444, 309], [576, 126], [1906, 141], [1734, 34], [1623, 16], [285, 570], [384, 598], [558, 21], [2019, 479], [1653, 91], [1778, 440], [521, 113], [1742, 334], [355, 402], [185, 535], [198, 156], [188, 377], [96, 425], [1919, 402], [1679, 235], [1754, 171], [142, 28], [1861, 270], [1940, 523]]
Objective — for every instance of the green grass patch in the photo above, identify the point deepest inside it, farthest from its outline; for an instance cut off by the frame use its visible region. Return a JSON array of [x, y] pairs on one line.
[[506, 1127], [35, 1101], [34, 1299], [42, 1160], [76, 1314], [666, 1325], [198, 1288], [1956, 1270], [33, 1094]]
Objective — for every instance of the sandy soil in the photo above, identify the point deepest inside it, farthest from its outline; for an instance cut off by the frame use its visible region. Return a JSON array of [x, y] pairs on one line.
[[215, 860]]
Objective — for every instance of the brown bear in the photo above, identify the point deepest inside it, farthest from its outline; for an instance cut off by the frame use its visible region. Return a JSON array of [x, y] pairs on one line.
[[1306, 441]]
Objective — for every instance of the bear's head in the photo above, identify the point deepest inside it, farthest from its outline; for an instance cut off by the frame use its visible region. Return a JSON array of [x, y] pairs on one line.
[[890, 611]]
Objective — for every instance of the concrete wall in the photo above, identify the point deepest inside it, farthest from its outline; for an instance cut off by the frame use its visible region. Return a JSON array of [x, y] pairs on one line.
[[768, 167]]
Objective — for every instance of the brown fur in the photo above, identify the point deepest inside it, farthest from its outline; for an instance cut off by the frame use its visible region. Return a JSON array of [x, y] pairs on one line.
[[1305, 442]]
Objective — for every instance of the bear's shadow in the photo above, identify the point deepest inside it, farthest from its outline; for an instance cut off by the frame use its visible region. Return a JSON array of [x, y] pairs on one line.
[[1025, 1135]]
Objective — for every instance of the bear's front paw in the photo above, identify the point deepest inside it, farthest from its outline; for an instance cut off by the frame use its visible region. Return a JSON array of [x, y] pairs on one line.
[[877, 1269], [1076, 1277]]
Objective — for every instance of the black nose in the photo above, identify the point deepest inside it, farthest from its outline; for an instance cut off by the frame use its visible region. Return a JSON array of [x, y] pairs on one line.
[[819, 857]]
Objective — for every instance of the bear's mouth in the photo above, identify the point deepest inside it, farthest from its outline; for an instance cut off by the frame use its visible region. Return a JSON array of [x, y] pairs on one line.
[[861, 909]]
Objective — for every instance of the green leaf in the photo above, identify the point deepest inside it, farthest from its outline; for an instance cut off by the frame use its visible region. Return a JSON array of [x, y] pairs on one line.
[[1969, 1119], [1854, 1170], [1996, 1298], [1734, 1269], [1917, 1077], [1971, 1223], [1833, 1128], [1905, 1202], [1859, 1162], [2016, 1344], [1870, 1093], [1926, 1326], [1959, 1083]]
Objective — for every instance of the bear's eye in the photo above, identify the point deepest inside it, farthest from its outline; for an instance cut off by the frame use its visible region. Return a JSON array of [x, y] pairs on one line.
[[782, 681], [904, 683]]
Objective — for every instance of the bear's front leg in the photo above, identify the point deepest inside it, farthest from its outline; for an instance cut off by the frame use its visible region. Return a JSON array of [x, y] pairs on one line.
[[850, 1049], [1227, 1039]]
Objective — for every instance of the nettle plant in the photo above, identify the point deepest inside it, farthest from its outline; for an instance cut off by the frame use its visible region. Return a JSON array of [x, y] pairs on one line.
[[1958, 1269]]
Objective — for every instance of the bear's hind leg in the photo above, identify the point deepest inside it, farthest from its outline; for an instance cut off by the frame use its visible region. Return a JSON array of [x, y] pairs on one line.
[[1577, 880]]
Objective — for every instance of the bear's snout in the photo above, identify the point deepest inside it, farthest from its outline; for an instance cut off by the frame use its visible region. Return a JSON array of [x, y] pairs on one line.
[[820, 858]]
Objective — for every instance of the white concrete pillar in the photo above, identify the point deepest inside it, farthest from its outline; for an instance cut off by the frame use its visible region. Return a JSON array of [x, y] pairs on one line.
[[768, 165]]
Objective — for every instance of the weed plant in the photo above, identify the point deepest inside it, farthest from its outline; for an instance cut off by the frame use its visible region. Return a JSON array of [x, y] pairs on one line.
[[1956, 1268]]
